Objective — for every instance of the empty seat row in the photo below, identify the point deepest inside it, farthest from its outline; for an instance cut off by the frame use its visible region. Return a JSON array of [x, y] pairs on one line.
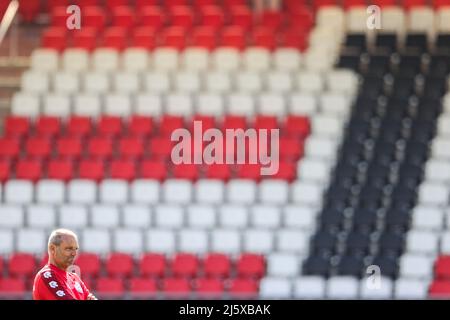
[[179, 104], [196, 241], [150, 191], [132, 216]]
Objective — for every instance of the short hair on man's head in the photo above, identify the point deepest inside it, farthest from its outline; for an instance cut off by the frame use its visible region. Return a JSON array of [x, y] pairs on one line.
[[57, 235]]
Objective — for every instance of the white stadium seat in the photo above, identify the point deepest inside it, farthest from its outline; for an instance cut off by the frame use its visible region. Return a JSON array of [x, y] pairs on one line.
[[135, 59], [233, 216], [105, 60], [66, 83], [118, 105], [226, 241], [410, 289], [148, 104], [50, 191], [25, 104], [241, 104], [384, 291], [160, 241], [56, 105], [193, 241], [165, 59], [19, 191], [32, 241], [12, 216], [283, 265], [187, 82], [302, 217], [179, 104], [169, 216], [293, 241], [427, 218], [256, 59], [275, 288], [105, 216], [45, 60], [87, 105], [96, 241], [145, 191], [96, 82], [41, 216], [273, 191], [209, 191], [265, 216], [306, 193], [177, 191], [342, 287], [137, 216], [226, 59], [425, 242], [35, 82], [113, 191], [287, 59], [73, 216], [309, 287], [258, 241], [248, 82], [303, 104], [271, 104], [241, 191], [209, 104], [201, 216], [126, 82], [195, 59], [6, 241], [157, 82], [75, 60], [82, 191], [128, 241]]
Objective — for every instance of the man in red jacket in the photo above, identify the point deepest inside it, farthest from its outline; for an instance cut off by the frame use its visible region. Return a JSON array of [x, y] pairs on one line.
[[53, 282]]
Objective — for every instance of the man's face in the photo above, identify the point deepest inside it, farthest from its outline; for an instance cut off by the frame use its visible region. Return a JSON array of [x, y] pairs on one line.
[[64, 254]]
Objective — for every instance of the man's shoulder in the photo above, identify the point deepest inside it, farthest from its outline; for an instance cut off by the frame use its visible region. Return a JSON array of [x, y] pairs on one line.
[[45, 272]]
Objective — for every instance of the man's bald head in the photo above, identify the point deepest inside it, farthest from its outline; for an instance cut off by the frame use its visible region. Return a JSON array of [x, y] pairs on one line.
[[57, 236]]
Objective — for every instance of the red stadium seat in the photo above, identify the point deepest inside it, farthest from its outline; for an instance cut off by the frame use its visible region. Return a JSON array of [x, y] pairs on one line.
[[9, 148], [271, 19], [48, 126], [409, 4], [115, 38], [169, 123], [204, 3], [88, 3], [209, 288], [153, 169], [292, 38], [217, 265], [100, 147], [241, 16], [29, 169], [442, 268], [152, 16], [440, 289], [5, 170], [233, 37], [323, 3], [131, 147], [218, 171], [54, 38], [140, 126], [174, 3], [59, 16], [29, 9], [2, 265], [297, 126], [212, 17], [185, 265], [69, 147], [152, 264], [233, 3], [119, 265], [12, 288], [16, 126], [60, 169], [57, 3], [140, 4], [181, 16], [144, 37], [243, 288], [250, 265], [234, 122], [94, 17], [109, 126], [291, 148], [110, 288], [204, 37], [186, 171], [263, 37], [175, 287], [286, 171], [21, 265], [249, 171], [207, 122], [89, 263], [85, 38], [79, 126], [174, 37], [118, 3], [43, 261], [265, 122], [123, 16], [354, 3], [38, 147], [160, 148], [91, 169], [441, 3], [143, 288], [123, 169]]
